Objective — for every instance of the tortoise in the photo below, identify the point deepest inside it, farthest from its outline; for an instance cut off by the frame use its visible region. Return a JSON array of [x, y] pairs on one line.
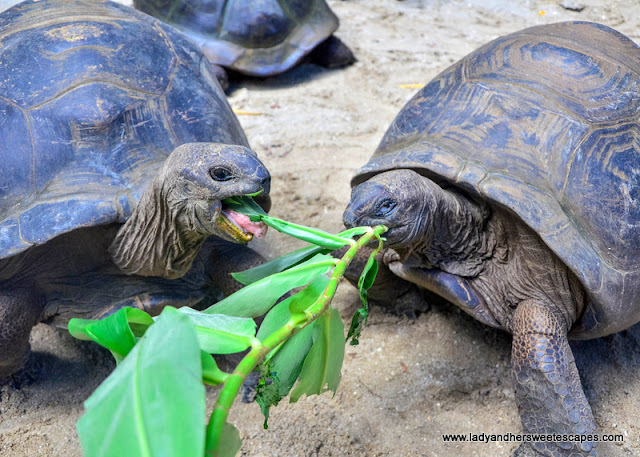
[[509, 184], [119, 147], [256, 38]]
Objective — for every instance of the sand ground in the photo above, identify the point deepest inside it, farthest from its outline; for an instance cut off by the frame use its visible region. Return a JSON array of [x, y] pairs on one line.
[[410, 380]]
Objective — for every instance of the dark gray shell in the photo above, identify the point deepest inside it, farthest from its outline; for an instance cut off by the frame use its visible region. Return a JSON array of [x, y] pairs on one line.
[[545, 123], [255, 37], [89, 111]]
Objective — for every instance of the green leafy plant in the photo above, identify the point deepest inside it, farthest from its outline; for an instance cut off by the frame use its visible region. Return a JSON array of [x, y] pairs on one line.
[[154, 401]]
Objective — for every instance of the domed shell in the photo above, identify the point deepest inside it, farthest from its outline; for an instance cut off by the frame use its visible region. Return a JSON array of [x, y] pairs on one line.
[[93, 97], [545, 123], [259, 38]]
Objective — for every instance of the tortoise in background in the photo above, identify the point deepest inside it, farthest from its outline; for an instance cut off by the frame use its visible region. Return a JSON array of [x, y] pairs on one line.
[[510, 186], [118, 148], [256, 38]]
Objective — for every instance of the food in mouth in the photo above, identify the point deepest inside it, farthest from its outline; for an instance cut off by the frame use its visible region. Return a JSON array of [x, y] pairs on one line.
[[241, 227]]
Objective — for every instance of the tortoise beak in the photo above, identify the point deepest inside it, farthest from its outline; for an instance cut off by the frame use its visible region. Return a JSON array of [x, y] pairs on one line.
[[360, 209], [349, 218]]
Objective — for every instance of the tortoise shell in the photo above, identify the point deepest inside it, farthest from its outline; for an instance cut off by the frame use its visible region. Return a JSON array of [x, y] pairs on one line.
[[259, 38], [90, 112], [545, 123]]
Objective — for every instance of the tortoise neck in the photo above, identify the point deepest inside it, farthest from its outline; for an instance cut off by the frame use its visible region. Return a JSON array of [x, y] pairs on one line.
[[154, 241], [461, 241]]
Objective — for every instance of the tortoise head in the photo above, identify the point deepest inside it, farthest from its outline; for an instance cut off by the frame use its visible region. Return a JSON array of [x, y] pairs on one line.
[[401, 199], [183, 206], [197, 177]]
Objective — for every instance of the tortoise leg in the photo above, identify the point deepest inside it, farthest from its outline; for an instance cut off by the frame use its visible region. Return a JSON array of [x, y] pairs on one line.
[[548, 390], [221, 75], [450, 287], [332, 53], [20, 310]]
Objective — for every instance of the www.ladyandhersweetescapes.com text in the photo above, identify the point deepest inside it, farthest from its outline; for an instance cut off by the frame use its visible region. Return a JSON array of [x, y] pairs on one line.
[[529, 437]]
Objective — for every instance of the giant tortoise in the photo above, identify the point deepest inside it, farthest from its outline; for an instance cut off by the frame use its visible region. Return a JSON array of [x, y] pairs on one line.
[[510, 186], [257, 38], [118, 148]]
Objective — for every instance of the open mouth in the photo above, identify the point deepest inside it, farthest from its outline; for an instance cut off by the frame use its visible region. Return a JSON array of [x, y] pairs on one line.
[[239, 226]]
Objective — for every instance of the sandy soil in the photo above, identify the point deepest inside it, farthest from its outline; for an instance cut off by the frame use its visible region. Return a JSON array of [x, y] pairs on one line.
[[410, 380]]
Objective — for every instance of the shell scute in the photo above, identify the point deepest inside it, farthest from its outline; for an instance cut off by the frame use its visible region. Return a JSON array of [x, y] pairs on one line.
[[17, 176], [602, 192], [255, 24], [198, 121]]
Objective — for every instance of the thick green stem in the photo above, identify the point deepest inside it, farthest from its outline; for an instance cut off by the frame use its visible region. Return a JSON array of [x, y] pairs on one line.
[[259, 350]]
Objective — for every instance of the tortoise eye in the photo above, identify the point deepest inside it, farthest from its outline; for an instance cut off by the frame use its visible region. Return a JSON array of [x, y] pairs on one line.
[[385, 208], [221, 174]]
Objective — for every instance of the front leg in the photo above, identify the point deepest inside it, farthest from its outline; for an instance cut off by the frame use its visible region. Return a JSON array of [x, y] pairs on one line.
[[453, 288], [20, 309], [548, 389]]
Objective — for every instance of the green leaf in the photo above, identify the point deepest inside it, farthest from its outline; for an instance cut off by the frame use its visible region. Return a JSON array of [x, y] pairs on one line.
[[309, 296], [287, 361], [154, 402], [257, 298], [365, 282], [357, 324], [245, 205], [267, 393], [323, 363], [220, 333], [211, 374], [117, 332], [368, 275], [311, 235], [283, 365], [230, 442], [277, 265], [280, 314]]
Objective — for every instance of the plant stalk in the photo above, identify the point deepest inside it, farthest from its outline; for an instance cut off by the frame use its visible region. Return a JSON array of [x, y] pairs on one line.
[[259, 351]]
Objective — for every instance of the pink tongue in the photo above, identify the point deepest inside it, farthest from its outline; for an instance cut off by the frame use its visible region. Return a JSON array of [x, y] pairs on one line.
[[258, 229]]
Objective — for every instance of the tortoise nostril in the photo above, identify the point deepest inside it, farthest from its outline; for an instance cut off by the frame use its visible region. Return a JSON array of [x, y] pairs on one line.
[[265, 182]]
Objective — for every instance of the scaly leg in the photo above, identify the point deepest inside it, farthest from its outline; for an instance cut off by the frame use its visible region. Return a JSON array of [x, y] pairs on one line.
[[20, 309], [548, 389], [450, 287]]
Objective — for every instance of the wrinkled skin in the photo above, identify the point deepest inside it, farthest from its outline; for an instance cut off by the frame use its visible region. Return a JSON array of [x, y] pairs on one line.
[[182, 208], [487, 262], [176, 249]]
